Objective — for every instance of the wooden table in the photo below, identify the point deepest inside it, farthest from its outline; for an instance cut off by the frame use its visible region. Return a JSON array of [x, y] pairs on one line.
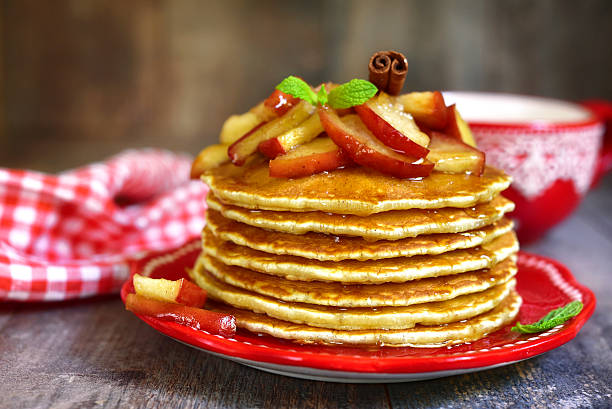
[[94, 354]]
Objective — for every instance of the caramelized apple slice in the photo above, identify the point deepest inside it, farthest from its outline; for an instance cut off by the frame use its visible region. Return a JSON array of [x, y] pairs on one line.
[[458, 128], [180, 291], [244, 147], [356, 140], [303, 133], [208, 158], [277, 104], [237, 125], [427, 108], [392, 126], [317, 156], [196, 318], [452, 155]]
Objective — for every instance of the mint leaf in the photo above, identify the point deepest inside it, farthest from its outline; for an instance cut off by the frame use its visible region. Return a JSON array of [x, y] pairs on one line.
[[550, 320], [298, 88], [354, 92], [322, 95]]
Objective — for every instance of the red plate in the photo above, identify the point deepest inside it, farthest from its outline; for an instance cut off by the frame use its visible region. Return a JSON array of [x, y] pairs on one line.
[[543, 283]]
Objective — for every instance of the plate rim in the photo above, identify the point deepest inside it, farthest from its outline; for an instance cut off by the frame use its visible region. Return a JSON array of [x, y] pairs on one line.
[[317, 374], [291, 357]]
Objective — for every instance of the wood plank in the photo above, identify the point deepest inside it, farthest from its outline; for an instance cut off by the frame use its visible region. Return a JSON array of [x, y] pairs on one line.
[[95, 354], [596, 211], [570, 376], [169, 73]]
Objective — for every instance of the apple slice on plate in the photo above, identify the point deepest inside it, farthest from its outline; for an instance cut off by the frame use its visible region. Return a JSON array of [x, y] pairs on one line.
[[244, 147], [365, 149], [458, 128], [392, 126], [303, 133], [196, 318], [451, 155], [319, 155], [427, 108], [180, 291]]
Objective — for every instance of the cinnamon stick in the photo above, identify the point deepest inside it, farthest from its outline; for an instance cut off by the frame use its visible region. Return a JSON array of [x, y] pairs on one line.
[[397, 76], [379, 66], [388, 71]]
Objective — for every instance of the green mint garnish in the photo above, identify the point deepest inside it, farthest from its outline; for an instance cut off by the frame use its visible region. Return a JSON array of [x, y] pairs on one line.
[[354, 92], [551, 320], [298, 88]]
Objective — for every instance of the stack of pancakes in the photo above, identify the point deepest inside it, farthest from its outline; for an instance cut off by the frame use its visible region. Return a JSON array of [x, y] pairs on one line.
[[354, 256]]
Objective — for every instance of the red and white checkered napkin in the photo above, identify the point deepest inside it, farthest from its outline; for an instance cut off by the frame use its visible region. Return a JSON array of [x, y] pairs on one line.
[[75, 234]]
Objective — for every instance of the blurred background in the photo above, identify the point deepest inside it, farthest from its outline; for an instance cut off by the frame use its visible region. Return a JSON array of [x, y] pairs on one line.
[[83, 79]]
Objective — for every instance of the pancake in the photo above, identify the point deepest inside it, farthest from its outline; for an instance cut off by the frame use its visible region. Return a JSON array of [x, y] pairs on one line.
[[419, 336], [372, 295], [391, 225], [356, 190], [318, 246], [399, 269], [433, 313]]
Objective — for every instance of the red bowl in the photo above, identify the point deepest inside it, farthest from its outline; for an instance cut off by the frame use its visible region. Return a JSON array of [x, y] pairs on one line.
[[553, 150]]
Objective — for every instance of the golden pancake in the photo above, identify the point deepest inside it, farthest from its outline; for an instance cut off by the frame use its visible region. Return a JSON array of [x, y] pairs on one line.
[[419, 336], [432, 313], [355, 190], [318, 246], [360, 295], [398, 269], [392, 225]]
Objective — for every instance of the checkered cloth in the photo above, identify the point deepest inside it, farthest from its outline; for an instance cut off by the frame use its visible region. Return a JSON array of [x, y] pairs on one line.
[[75, 234]]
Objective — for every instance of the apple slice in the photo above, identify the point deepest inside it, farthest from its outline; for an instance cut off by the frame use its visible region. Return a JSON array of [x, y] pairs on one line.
[[458, 128], [277, 104], [427, 108], [451, 155], [395, 128], [303, 133], [263, 112], [196, 318], [319, 155], [356, 140], [237, 125], [209, 157], [244, 147], [180, 291]]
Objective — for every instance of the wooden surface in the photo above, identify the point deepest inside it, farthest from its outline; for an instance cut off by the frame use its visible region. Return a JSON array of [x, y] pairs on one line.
[[94, 354], [81, 80]]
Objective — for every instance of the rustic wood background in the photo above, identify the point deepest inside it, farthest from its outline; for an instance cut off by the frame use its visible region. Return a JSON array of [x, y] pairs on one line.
[[81, 80]]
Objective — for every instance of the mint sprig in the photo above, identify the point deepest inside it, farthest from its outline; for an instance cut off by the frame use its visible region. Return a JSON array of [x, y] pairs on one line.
[[298, 88], [355, 92], [550, 320], [352, 93]]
